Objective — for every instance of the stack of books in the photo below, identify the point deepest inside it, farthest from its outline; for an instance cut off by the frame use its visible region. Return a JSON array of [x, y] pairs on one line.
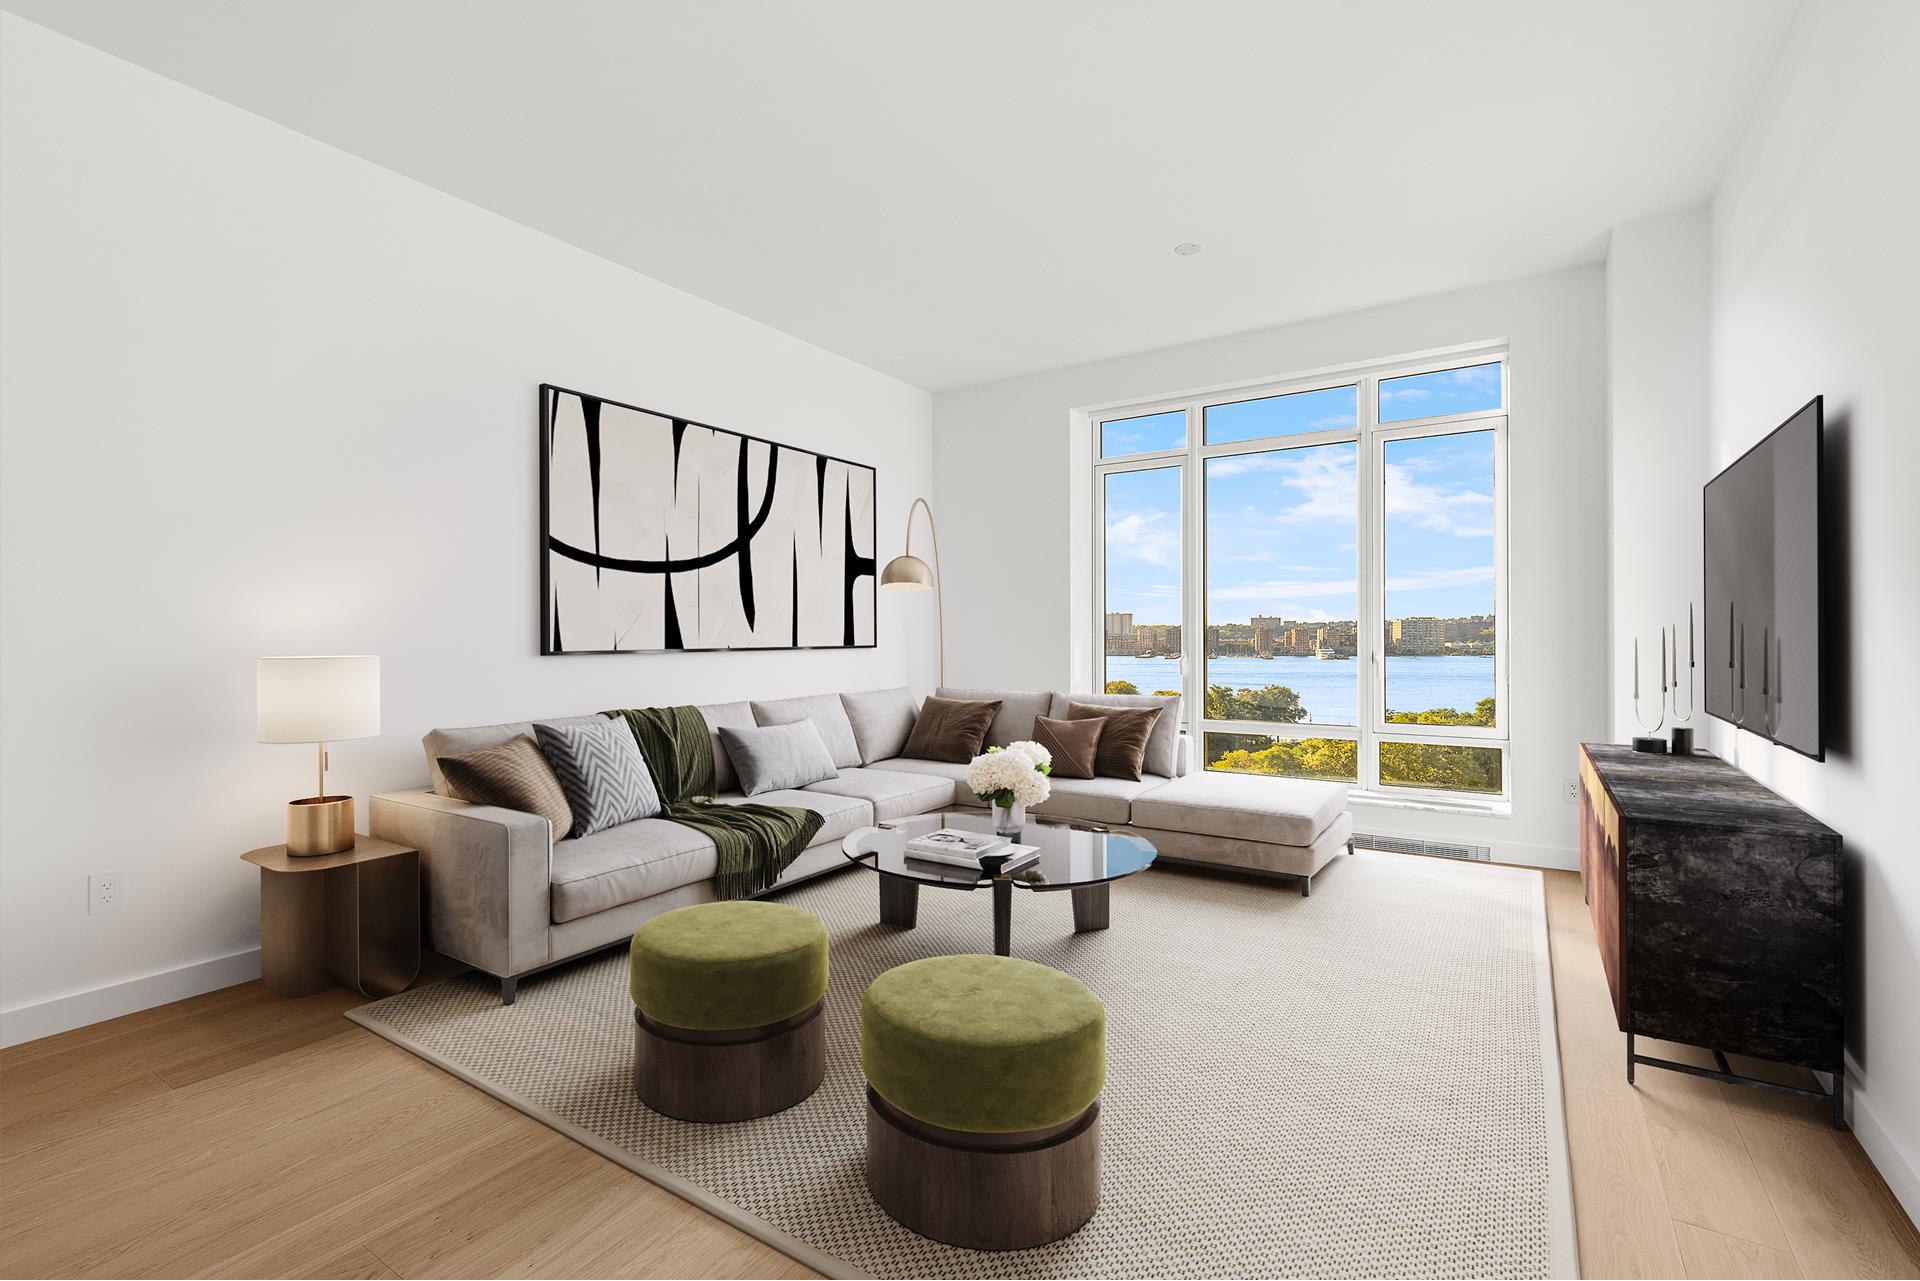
[[981, 851]]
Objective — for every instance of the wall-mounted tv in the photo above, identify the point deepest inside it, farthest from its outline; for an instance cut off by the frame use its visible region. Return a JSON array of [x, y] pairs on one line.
[[1761, 656]]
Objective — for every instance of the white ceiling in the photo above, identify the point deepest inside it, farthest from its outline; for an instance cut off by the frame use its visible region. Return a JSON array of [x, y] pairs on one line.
[[962, 191]]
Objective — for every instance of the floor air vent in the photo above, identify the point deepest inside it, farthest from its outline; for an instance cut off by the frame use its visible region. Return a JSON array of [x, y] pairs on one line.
[[1439, 849]]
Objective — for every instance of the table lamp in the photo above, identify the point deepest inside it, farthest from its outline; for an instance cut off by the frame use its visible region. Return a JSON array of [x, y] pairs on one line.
[[318, 700], [908, 573]]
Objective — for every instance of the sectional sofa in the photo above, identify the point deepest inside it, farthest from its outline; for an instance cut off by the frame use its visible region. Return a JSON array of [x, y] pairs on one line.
[[506, 898]]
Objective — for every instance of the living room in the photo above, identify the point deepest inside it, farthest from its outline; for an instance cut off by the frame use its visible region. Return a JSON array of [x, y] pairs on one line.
[[853, 639]]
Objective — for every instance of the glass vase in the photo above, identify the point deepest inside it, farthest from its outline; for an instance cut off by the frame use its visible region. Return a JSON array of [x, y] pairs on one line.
[[1009, 820]]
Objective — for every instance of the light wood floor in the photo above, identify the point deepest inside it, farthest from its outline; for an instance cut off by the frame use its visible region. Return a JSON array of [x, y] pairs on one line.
[[240, 1135]]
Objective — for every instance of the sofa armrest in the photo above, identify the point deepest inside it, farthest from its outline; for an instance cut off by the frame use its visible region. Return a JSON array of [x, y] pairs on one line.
[[486, 873], [1183, 756]]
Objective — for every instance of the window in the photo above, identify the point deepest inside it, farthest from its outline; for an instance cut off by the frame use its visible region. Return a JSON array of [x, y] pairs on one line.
[[1319, 567]]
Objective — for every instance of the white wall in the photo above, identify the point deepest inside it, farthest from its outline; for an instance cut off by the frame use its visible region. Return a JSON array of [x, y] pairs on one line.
[[1657, 445], [263, 397], [1018, 601], [1816, 291]]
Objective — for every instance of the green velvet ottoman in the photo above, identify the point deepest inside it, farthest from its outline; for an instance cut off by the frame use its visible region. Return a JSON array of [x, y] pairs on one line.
[[983, 1088], [727, 1001]]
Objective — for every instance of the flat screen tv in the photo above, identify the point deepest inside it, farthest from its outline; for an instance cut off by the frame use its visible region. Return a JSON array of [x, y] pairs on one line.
[[1760, 659]]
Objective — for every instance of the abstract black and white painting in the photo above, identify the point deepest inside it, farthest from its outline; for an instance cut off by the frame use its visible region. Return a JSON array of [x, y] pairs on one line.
[[660, 533]]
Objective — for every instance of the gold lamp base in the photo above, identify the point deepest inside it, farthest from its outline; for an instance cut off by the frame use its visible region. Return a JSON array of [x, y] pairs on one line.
[[320, 825]]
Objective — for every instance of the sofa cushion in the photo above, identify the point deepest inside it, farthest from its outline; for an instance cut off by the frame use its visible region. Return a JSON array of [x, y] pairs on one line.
[[1013, 723], [841, 814], [625, 864], [738, 716], [828, 715], [1280, 811], [1122, 747], [1094, 800], [771, 758], [949, 729], [1163, 745], [892, 795], [601, 770], [463, 739], [1073, 745], [513, 776], [881, 719], [954, 772]]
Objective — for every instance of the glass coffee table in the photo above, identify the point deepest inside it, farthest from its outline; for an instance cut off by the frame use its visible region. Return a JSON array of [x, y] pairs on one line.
[[1083, 859]]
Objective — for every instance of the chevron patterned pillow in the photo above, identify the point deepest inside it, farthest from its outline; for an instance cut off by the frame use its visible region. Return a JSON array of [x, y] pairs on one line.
[[601, 770]]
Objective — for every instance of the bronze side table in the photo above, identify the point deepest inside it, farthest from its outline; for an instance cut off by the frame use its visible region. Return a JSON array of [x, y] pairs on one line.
[[351, 918]]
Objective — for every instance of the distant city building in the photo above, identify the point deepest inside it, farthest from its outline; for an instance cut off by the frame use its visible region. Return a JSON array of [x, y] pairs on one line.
[[1262, 640], [1120, 625]]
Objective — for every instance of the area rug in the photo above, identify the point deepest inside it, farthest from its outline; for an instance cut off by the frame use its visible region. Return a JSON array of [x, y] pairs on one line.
[[1360, 1083]]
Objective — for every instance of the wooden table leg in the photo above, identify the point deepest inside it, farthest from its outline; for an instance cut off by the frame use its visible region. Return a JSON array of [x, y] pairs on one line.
[[899, 901], [1002, 916], [1090, 907]]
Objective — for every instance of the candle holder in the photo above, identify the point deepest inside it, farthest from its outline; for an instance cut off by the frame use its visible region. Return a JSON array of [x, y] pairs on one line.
[[1682, 733], [1650, 742]]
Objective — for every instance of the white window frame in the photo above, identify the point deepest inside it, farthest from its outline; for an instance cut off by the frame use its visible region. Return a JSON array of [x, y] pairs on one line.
[[1370, 439]]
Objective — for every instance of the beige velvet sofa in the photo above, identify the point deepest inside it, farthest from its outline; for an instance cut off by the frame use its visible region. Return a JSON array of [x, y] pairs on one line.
[[506, 898]]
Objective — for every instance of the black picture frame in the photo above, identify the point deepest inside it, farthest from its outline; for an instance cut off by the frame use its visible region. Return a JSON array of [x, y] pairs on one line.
[[855, 567]]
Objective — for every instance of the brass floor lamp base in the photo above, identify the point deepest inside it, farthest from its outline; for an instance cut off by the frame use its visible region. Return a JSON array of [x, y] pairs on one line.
[[319, 825]]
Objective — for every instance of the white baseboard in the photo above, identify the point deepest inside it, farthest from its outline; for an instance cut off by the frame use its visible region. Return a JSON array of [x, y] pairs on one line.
[[64, 1013], [1896, 1167]]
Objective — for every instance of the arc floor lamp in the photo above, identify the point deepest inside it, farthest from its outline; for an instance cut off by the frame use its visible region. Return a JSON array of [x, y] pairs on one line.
[[908, 573]]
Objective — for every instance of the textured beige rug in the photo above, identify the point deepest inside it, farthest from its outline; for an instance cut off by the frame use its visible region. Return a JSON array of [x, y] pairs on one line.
[[1360, 1083]]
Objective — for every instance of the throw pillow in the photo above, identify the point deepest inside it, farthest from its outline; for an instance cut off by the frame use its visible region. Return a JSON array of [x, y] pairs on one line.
[[513, 776], [950, 729], [601, 770], [1123, 740], [882, 719], [772, 757], [1074, 744]]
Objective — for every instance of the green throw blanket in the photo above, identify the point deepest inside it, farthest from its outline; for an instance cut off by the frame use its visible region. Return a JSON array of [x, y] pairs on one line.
[[756, 842]]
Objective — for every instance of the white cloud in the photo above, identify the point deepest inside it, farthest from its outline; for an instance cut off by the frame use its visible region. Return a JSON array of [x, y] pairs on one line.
[[1148, 535], [1404, 393], [1440, 508]]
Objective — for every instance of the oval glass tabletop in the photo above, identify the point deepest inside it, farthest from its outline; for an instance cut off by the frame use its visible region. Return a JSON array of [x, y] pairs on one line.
[[1070, 856]]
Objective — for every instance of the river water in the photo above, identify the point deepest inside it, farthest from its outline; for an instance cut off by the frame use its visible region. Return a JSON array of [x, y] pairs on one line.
[[1329, 688]]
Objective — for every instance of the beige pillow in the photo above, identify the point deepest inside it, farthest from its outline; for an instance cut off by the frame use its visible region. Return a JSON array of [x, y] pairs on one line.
[[1075, 744], [950, 729], [513, 776], [1123, 740]]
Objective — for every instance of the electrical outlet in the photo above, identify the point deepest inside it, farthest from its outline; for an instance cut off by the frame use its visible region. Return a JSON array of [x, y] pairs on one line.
[[1572, 791], [106, 891]]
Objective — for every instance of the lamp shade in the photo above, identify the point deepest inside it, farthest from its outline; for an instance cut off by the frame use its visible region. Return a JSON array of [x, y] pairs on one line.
[[318, 699], [907, 574]]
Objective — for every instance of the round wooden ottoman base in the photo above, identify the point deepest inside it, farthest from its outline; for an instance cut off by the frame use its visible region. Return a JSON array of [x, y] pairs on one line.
[[714, 1077], [983, 1191]]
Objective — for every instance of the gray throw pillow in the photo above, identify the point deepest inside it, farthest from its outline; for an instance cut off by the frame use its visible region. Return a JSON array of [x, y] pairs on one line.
[[773, 757], [601, 770], [882, 719]]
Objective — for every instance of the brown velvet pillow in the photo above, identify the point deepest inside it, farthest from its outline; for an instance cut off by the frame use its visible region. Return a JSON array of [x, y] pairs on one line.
[[950, 729], [1123, 740], [1074, 744], [514, 776]]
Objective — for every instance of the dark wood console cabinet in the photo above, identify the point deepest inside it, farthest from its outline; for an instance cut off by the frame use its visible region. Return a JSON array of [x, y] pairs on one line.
[[1718, 909]]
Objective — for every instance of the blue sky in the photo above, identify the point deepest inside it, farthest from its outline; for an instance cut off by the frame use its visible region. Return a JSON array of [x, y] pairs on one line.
[[1281, 537]]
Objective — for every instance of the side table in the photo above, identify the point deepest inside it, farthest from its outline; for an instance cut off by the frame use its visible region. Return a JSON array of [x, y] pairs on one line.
[[351, 918]]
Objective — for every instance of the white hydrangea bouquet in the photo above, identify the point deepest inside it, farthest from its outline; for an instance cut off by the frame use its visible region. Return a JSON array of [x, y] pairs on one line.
[[1009, 779]]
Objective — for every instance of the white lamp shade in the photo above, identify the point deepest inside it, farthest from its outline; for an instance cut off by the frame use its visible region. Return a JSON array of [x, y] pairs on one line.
[[318, 699]]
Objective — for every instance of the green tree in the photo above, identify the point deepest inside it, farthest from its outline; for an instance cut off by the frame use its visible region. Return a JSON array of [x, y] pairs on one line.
[[1273, 703], [1122, 687], [1337, 759]]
